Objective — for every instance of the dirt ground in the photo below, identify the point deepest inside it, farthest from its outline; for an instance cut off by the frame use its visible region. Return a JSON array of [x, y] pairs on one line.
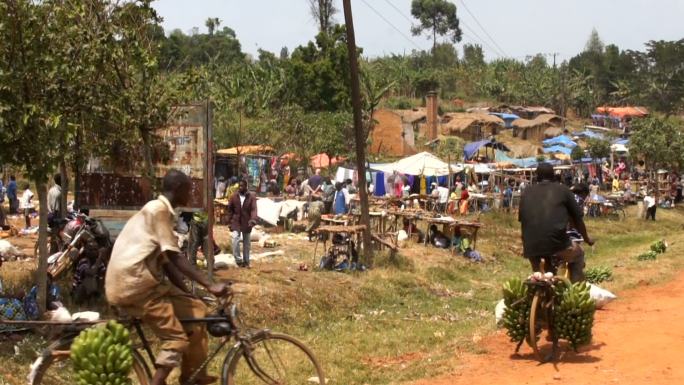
[[638, 339]]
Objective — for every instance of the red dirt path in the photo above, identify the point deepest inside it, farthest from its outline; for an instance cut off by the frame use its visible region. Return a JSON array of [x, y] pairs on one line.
[[638, 339]]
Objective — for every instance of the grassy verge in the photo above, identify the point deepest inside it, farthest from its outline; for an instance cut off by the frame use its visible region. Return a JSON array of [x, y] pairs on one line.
[[408, 317]]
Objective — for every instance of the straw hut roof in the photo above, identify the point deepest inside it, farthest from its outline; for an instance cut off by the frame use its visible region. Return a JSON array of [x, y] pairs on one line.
[[246, 150], [541, 120], [459, 121]]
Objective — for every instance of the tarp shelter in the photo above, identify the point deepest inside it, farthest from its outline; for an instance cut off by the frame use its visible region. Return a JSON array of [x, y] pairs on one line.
[[507, 118], [623, 112], [502, 157], [562, 140], [471, 149], [246, 150], [556, 149], [619, 148], [325, 161], [623, 142], [588, 134], [422, 163]]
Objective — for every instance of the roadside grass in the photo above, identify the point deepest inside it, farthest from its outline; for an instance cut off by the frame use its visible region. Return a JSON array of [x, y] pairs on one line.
[[413, 314]]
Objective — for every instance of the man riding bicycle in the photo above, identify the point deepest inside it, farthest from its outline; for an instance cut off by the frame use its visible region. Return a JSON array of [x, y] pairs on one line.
[[145, 279], [546, 210]]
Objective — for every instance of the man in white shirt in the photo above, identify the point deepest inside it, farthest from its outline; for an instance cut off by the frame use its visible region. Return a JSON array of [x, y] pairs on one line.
[[651, 206], [54, 200]]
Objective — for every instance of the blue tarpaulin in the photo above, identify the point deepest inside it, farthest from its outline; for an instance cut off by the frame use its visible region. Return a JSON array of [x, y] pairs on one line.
[[624, 142], [589, 134], [556, 149], [507, 118], [471, 149], [561, 140]]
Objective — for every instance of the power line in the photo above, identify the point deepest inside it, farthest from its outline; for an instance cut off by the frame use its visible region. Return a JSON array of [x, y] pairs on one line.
[[392, 25], [483, 41], [464, 34], [483, 28]]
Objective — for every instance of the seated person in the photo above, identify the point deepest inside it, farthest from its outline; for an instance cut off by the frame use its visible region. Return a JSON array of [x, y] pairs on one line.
[[438, 239], [411, 228]]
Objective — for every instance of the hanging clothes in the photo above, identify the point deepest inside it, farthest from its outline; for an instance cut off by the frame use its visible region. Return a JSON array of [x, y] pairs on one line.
[[423, 185], [379, 183], [442, 180]]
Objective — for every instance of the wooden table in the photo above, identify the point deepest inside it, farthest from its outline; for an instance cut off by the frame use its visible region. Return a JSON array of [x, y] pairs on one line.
[[330, 231]]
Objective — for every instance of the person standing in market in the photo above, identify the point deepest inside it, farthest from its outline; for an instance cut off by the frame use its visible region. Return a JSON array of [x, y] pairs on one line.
[[242, 217], [12, 195], [26, 204], [145, 279], [54, 200]]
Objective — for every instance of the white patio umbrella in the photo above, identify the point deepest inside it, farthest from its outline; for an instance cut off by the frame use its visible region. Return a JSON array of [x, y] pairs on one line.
[[423, 163]]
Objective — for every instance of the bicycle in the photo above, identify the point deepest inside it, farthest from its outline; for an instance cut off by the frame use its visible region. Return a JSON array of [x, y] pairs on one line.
[[542, 314], [257, 357]]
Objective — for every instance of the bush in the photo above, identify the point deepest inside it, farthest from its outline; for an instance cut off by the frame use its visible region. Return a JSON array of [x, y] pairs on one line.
[[648, 256]]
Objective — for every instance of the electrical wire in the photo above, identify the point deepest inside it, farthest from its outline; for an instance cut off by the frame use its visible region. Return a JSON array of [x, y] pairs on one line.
[[483, 28], [391, 25]]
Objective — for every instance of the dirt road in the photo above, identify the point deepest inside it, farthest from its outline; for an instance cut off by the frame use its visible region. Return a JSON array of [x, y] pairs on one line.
[[638, 339]]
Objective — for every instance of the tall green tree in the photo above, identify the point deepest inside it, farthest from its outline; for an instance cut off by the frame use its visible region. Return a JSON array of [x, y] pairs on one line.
[[659, 142], [438, 17], [45, 73], [323, 11], [473, 55]]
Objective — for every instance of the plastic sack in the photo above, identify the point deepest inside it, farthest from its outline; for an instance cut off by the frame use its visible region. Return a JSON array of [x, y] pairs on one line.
[[499, 311], [601, 296]]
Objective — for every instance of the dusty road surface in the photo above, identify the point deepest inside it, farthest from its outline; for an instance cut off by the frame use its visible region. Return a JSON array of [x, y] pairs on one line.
[[638, 339]]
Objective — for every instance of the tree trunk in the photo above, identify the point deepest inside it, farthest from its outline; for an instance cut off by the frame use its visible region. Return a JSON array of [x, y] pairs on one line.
[[65, 188], [147, 158], [358, 131], [77, 168], [41, 274]]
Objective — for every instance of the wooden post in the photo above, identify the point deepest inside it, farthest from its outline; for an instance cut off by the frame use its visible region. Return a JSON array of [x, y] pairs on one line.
[[360, 139], [208, 193]]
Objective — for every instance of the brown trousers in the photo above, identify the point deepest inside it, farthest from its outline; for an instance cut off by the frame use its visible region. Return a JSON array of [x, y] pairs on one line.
[[182, 344], [573, 255]]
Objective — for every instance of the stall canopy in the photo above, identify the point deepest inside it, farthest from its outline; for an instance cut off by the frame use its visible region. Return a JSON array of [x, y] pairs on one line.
[[246, 150], [471, 149], [423, 163], [623, 112], [558, 149], [619, 148], [325, 161], [562, 140], [621, 141]]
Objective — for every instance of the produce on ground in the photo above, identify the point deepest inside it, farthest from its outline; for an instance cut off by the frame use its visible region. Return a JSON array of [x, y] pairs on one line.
[[648, 256], [102, 355], [659, 247], [598, 274]]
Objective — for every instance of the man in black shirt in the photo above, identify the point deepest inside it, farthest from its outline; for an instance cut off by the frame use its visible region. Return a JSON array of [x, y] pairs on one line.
[[546, 209]]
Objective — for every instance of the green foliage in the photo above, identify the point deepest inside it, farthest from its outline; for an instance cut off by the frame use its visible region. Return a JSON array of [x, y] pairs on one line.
[[437, 17], [473, 56], [577, 153], [598, 148], [323, 11], [179, 51], [659, 141], [317, 75], [450, 146], [598, 274]]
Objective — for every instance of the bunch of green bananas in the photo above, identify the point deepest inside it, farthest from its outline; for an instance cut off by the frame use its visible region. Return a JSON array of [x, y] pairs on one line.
[[598, 274], [102, 355], [648, 256], [516, 317], [659, 247], [574, 314]]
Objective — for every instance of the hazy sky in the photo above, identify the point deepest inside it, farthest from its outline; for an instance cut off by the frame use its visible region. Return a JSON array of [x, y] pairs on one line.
[[519, 28]]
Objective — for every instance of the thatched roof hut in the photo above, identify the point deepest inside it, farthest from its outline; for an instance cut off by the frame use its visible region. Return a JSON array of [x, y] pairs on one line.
[[533, 129], [471, 126]]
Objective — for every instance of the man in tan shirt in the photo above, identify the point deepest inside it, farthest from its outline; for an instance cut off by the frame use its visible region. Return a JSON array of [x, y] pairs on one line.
[[145, 279]]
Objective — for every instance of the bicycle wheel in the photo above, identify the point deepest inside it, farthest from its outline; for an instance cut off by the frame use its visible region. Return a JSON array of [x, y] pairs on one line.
[[532, 336], [54, 367], [272, 358]]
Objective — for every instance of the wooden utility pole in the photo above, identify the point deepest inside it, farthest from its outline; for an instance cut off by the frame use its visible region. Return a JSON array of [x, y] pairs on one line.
[[359, 136]]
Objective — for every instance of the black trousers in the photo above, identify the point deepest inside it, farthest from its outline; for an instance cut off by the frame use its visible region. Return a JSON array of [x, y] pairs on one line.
[[651, 212]]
